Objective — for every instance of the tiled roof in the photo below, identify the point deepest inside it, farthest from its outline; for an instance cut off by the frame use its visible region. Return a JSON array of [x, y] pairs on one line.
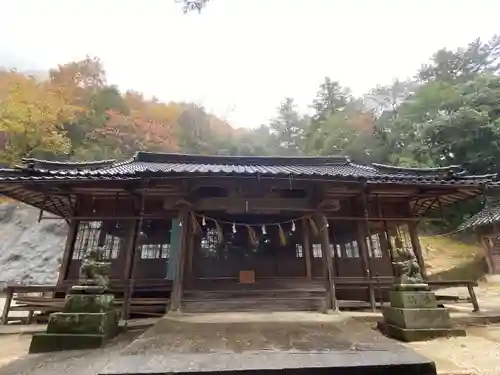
[[487, 215], [158, 164]]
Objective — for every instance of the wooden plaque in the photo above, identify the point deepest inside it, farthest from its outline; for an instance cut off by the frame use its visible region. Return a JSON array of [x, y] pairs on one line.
[[247, 277]]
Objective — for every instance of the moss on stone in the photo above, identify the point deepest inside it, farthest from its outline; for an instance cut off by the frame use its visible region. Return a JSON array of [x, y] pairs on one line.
[[50, 342], [89, 303], [83, 323]]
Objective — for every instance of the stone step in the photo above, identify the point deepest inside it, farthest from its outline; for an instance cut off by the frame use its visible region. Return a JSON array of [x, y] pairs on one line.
[[252, 304], [233, 294]]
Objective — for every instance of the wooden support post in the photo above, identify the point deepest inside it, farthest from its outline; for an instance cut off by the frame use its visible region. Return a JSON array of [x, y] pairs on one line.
[[68, 251], [331, 302], [486, 242], [129, 287], [191, 243], [127, 271], [473, 297], [6, 306], [365, 262], [176, 295], [306, 244], [417, 249], [363, 233]]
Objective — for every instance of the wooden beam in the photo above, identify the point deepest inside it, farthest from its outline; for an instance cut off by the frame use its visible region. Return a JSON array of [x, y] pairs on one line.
[[306, 244], [68, 251], [400, 219], [331, 297], [253, 204]]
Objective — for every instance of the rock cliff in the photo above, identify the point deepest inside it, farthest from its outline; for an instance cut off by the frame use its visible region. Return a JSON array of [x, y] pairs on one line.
[[29, 251]]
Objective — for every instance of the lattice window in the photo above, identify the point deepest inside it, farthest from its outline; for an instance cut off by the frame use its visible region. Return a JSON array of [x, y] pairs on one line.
[[299, 251], [352, 249], [317, 252], [154, 239], [155, 251], [104, 235], [339, 251], [209, 243], [374, 246]]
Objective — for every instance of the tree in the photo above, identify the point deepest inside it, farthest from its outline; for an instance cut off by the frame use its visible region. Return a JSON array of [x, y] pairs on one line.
[[192, 5], [330, 98], [476, 58], [465, 130], [288, 127], [32, 117]]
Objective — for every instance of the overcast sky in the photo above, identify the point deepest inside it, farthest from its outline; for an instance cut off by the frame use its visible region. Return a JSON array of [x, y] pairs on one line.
[[240, 58]]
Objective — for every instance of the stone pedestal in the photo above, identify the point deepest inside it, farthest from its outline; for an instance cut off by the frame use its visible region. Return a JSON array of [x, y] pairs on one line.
[[414, 315], [88, 321]]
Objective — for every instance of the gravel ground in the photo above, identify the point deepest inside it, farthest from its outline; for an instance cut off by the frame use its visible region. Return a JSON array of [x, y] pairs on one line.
[[478, 353]]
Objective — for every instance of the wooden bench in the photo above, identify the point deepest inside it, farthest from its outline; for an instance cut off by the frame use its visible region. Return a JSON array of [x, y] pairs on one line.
[[40, 298], [27, 302], [469, 284], [381, 283]]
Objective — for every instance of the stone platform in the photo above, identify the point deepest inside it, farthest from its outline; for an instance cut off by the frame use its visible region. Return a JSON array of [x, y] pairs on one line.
[[234, 343], [414, 315], [88, 321]]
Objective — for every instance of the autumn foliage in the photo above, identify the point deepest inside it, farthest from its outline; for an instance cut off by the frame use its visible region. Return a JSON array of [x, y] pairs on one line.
[[74, 114]]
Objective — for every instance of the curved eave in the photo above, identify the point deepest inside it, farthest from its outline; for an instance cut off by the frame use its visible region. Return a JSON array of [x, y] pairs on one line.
[[39, 163], [60, 206]]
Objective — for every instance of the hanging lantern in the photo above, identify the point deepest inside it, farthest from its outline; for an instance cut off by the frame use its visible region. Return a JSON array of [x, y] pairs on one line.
[[264, 229], [180, 224], [234, 227], [203, 221], [293, 226]]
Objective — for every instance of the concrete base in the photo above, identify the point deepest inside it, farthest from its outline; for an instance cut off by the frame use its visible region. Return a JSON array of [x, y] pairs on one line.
[[423, 334], [417, 318], [50, 342], [87, 321], [271, 344]]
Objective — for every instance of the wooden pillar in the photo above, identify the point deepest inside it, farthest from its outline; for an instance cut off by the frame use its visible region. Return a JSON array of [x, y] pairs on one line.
[[192, 244], [486, 242], [176, 295], [68, 251], [306, 244], [363, 233], [132, 227], [417, 249], [130, 250], [365, 262], [331, 298], [6, 306]]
